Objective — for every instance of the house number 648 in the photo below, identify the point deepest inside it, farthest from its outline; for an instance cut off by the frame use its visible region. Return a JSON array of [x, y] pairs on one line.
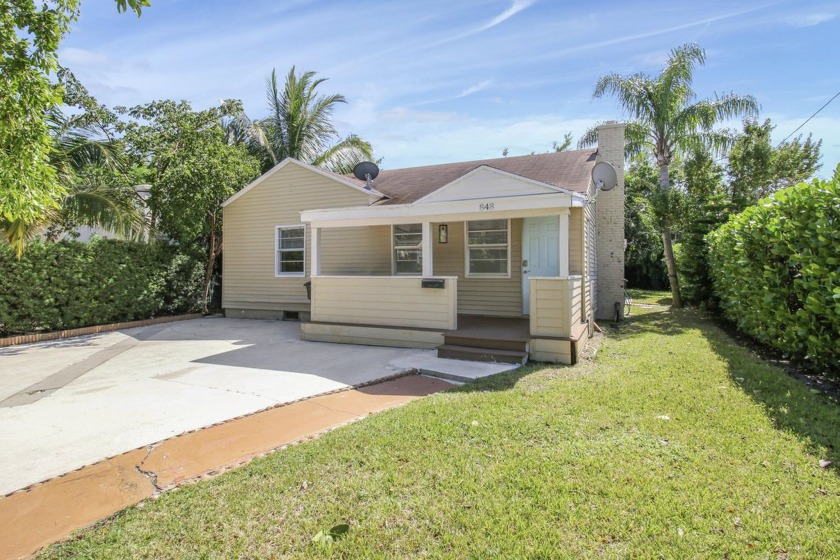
[[486, 206]]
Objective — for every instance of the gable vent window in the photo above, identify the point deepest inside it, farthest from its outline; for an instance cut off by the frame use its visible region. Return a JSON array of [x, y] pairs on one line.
[[488, 248], [408, 251], [291, 241]]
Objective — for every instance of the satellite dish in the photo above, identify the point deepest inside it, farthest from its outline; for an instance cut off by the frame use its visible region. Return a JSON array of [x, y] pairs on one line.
[[366, 171], [604, 176]]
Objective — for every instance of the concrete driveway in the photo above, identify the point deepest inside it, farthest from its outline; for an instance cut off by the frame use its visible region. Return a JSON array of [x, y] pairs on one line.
[[69, 403]]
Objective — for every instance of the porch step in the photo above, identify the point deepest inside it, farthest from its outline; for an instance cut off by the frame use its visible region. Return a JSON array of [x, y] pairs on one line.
[[458, 339], [457, 352]]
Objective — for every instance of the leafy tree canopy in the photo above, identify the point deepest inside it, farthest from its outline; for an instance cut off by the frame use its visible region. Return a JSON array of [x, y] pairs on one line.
[[666, 119], [30, 33], [758, 169], [192, 169], [299, 125]]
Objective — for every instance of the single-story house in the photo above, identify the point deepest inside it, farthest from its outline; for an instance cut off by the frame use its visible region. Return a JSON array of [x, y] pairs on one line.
[[500, 259]]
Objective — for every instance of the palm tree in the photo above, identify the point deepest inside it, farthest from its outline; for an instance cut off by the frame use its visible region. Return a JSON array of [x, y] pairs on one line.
[[300, 126], [86, 166], [666, 120]]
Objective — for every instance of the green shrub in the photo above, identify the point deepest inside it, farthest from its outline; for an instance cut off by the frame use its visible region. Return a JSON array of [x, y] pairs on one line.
[[69, 284], [776, 270]]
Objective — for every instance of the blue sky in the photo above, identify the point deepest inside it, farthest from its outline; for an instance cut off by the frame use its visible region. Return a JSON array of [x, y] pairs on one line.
[[453, 80]]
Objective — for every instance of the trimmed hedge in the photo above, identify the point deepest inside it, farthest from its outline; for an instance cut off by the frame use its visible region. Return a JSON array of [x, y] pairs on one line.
[[776, 270], [69, 284]]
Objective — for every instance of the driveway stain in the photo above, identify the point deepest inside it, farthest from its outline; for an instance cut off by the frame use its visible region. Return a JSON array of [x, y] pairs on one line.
[[60, 379]]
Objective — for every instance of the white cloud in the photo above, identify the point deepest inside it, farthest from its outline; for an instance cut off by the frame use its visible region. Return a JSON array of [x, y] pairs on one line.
[[515, 7], [810, 20], [411, 138], [80, 57], [475, 88]]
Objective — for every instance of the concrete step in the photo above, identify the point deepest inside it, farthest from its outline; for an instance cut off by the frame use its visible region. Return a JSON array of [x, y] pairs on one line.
[[457, 352], [483, 342]]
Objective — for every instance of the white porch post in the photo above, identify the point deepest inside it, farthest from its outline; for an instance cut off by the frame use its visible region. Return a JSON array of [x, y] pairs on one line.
[[314, 252], [563, 244], [427, 250]]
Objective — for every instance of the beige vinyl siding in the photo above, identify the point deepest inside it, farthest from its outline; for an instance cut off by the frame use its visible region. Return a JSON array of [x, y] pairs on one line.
[[356, 250], [501, 297], [555, 306], [249, 280], [576, 241], [384, 301]]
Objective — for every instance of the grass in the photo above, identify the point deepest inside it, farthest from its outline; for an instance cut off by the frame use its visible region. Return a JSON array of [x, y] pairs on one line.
[[674, 442], [650, 297]]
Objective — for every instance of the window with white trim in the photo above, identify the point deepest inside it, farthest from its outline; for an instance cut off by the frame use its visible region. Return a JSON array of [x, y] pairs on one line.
[[408, 249], [290, 244], [488, 248]]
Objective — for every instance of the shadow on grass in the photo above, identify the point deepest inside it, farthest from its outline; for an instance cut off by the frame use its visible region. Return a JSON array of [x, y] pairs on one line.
[[502, 381], [649, 297], [659, 321], [812, 416], [644, 321]]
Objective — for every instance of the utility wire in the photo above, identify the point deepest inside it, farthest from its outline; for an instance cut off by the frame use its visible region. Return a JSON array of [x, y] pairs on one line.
[[809, 118]]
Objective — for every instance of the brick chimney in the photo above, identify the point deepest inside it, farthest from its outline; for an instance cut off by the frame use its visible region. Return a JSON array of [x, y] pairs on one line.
[[609, 224]]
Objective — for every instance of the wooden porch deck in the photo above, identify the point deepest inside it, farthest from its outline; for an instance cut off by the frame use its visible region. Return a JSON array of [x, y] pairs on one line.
[[493, 328]]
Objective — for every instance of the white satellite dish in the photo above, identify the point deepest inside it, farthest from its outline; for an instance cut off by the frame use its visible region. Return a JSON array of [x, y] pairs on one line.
[[604, 176]]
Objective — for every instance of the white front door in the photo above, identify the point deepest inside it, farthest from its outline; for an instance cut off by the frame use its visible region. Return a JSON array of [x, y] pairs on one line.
[[540, 253]]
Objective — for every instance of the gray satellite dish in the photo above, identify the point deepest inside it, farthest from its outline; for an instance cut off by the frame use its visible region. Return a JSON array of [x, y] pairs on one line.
[[604, 176], [366, 171]]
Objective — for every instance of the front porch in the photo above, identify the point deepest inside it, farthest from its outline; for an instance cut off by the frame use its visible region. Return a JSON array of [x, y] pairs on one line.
[[421, 313], [497, 279]]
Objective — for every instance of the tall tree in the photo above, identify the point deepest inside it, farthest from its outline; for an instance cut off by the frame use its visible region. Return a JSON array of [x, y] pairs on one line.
[[666, 120], [89, 165], [92, 171], [192, 168], [705, 208], [643, 258], [30, 33], [300, 126], [758, 169]]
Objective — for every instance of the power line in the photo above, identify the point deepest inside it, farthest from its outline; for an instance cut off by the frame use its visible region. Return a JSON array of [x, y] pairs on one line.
[[809, 118]]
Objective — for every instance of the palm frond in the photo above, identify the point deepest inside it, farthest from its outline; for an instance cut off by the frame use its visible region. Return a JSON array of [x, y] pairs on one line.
[[633, 92], [102, 206], [343, 156], [300, 125], [589, 138]]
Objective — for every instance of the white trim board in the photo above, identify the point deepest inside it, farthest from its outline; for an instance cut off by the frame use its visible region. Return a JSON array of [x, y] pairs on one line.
[[477, 209]]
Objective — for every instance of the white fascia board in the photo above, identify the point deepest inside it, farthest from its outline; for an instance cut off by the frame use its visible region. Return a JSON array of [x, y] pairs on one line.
[[319, 171], [486, 169], [499, 207]]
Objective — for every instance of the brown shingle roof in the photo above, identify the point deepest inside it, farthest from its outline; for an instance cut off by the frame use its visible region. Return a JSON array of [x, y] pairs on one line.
[[568, 170]]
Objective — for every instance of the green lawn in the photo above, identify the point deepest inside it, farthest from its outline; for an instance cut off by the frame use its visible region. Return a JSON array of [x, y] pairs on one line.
[[649, 296], [673, 443]]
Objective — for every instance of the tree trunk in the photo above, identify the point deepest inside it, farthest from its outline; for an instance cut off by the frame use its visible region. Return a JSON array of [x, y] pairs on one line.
[[670, 261], [211, 261]]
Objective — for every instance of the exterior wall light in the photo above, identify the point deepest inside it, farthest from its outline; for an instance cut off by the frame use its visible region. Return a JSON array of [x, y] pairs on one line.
[[443, 233]]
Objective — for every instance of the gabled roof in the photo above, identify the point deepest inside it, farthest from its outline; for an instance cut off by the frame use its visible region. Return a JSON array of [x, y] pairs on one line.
[[352, 183], [568, 170], [488, 182]]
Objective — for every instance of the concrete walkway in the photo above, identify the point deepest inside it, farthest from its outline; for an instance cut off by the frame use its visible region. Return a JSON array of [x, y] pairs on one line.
[[49, 512]]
